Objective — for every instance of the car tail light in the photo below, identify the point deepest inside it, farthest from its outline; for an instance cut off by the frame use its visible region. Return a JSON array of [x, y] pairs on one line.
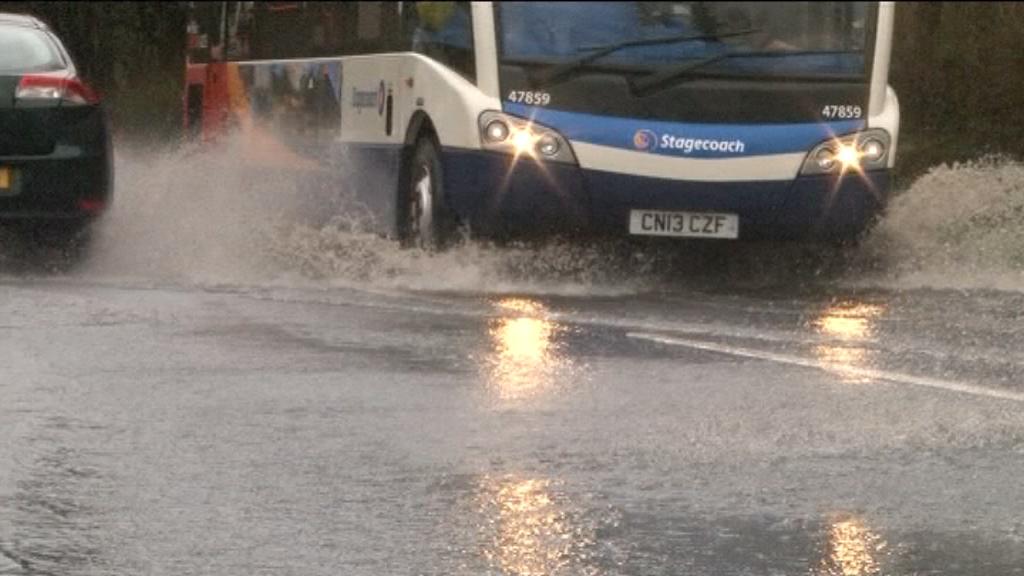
[[77, 92], [56, 89]]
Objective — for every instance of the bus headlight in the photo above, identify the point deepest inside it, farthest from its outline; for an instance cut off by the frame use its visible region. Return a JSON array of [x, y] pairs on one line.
[[825, 158], [873, 149], [496, 131], [520, 137], [868, 150], [548, 146]]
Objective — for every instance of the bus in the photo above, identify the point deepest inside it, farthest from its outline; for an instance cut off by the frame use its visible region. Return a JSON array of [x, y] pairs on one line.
[[716, 120]]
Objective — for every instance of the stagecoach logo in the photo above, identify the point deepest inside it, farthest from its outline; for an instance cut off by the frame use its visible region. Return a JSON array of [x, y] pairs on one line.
[[645, 140], [649, 141], [364, 98]]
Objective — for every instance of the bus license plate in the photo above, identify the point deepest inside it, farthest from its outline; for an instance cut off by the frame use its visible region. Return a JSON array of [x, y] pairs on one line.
[[686, 224], [5, 178]]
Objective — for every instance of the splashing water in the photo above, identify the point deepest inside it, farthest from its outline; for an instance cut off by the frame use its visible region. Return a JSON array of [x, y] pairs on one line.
[[340, 256], [193, 215], [202, 216], [199, 215], [959, 226]]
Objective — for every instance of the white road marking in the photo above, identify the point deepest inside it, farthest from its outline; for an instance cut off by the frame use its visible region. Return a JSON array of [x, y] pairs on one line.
[[884, 375]]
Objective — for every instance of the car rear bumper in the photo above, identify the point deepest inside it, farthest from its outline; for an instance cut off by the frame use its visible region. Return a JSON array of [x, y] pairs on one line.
[[499, 196], [69, 183]]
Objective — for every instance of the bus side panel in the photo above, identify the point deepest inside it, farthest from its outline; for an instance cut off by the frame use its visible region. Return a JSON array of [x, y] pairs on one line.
[[415, 83], [335, 128], [382, 94], [373, 103]]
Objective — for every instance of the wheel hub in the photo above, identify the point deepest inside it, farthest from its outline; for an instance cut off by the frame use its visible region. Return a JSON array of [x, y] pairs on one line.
[[421, 209]]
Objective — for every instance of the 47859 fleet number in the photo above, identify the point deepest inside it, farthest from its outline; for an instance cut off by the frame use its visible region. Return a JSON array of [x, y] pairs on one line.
[[841, 111], [529, 97]]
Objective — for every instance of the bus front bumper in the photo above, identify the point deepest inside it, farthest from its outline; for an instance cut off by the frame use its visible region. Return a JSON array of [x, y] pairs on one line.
[[503, 197]]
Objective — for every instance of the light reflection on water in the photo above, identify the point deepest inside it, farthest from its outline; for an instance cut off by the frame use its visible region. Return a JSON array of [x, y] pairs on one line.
[[849, 326], [525, 357], [852, 549], [846, 362], [531, 530]]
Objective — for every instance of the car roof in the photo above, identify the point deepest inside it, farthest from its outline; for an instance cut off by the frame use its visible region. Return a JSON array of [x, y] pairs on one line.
[[23, 20]]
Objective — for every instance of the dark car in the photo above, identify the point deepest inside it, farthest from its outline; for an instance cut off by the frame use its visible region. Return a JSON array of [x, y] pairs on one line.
[[56, 172]]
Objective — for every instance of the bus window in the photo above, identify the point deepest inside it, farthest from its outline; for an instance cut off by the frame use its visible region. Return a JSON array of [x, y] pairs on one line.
[[442, 31], [288, 30]]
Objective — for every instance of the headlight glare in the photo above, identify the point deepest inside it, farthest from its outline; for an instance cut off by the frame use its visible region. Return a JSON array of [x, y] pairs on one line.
[[848, 156], [868, 150], [523, 139], [520, 137]]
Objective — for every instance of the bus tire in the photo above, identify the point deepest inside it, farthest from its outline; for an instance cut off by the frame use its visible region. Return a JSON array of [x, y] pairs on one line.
[[426, 222]]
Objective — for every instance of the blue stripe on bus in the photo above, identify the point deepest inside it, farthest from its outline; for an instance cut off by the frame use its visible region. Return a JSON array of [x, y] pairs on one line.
[[652, 135]]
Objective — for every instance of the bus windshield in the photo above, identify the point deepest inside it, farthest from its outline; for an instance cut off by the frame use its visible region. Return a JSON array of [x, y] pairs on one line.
[[770, 39]]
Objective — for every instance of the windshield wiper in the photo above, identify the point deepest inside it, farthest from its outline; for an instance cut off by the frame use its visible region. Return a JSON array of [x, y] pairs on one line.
[[561, 71], [656, 80]]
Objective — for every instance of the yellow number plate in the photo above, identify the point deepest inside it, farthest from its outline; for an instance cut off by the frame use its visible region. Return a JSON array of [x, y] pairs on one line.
[[5, 177]]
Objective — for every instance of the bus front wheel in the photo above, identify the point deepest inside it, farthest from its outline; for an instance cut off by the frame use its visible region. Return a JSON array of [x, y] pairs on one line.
[[426, 221]]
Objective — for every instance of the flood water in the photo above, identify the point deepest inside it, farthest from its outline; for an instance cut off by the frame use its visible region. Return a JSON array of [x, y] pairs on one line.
[[222, 391]]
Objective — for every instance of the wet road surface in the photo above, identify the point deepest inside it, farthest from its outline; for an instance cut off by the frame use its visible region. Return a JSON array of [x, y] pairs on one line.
[[155, 428]]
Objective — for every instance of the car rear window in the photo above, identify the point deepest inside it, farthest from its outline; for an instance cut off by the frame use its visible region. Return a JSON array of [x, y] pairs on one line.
[[27, 50]]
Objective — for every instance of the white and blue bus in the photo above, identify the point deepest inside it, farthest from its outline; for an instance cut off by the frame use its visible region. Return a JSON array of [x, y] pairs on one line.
[[691, 119]]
